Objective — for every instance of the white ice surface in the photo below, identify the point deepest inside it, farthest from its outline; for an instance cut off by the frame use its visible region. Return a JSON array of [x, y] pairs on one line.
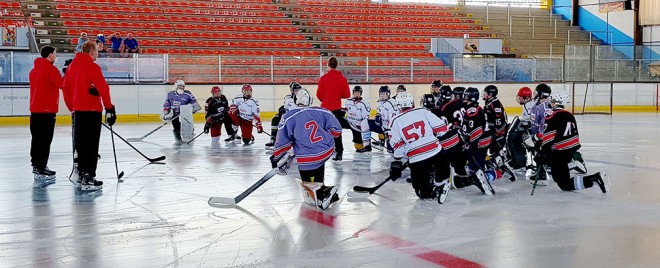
[[159, 217]]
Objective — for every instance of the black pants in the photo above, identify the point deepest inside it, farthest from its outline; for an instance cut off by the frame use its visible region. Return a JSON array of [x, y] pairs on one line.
[[558, 161], [339, 114], [86, 135], [274, 123], [426, 172], [314, 175], [42, 126], [176, 124], [477, 159]]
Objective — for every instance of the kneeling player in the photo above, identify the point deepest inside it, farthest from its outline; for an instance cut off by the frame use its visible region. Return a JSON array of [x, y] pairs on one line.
[[288, 105], [386, 112], [310, 132], [172, 107], [243, 111], [560, 142], [357, 115], [217, 108], [414, 134]]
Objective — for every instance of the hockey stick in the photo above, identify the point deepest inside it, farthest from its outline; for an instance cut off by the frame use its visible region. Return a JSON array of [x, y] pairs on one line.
[[200, 134], [214, 201], [365, 192], [377, 147], [536, 179], [263, 132], [151, 132], [160, 158], [119, 175]]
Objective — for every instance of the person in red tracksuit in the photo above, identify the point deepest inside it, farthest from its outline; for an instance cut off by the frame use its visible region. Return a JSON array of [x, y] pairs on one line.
[[45, 84], [84, 90], [333, 87]]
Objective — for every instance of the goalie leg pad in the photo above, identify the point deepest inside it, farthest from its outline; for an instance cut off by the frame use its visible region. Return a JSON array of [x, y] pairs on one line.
[[308, 191]]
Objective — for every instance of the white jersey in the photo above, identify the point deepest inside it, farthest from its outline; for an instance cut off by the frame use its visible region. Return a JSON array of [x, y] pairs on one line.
[[289, 104], [357, 114], [248, 109], [414, 134], [528, 111], [387, 111]]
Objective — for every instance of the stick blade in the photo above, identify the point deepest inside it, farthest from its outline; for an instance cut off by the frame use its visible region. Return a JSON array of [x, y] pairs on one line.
[[160, 158], [220, 201], [121, 175], [362, 189], [360, 195], [134, 139]]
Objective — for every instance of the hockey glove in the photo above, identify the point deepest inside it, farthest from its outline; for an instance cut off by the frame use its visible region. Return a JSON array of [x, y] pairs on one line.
[[66, 65], [93, 91], [378, 120], [260, 128], [281, 111], [110, 116], [207, 127], [232, 109], [273, 161], [395, 170]]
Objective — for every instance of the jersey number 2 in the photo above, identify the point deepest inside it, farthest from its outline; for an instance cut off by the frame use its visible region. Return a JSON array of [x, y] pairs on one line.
[[312, 136], [413, 136]]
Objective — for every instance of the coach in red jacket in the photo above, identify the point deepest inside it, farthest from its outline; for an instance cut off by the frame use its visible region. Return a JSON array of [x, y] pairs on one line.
[[333, 87], [45, 84], [84, 90]]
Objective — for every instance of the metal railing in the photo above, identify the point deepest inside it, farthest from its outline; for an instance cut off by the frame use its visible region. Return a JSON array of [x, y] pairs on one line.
[[531, 20]]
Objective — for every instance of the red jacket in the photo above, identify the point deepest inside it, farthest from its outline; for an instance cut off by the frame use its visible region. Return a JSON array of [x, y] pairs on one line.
[[80, 76], [333, 87], [45, 84]]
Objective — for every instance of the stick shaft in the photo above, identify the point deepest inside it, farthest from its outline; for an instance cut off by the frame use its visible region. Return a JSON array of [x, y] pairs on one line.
[[129, 144]]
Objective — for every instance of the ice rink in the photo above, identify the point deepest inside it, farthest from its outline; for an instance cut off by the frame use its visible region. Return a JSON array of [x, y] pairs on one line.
[[159, 216]]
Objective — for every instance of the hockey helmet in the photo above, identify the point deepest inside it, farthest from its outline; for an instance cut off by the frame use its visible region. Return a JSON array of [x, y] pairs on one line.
[[471, 96], [490, 91], [246, 90], [401, 88], [558, 99], [436, 85], [445, 92], [303, 98], [405, 100], [524, 95], [216, 90], [179, 85], [294, 87], [543, 91], [458, 92], [384, 92]]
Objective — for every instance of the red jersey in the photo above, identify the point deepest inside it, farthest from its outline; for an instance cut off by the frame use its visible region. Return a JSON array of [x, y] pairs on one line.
[[333, 87], [80, 76], [45, 84]]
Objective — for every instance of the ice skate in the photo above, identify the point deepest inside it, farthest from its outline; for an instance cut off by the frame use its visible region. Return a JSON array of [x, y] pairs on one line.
[[603, 181], [88, 183], [442, 190], [325, 196], [43, 174]]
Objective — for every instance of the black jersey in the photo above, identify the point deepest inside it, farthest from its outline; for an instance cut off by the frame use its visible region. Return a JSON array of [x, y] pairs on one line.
[[453, 111], [496, 117], [560, 132], [216, 108], [475, 129]]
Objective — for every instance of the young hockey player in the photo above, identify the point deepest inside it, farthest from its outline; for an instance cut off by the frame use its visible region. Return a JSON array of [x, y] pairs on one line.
[[414, 134], [357, 115], [310, 131], [429, 101], [243, 111], [497, 123], [452, 110], [171, 108], [386, 112], [474, 131], [458, 93], [217, 113], [517, 154], [560, 141], [288, 105]]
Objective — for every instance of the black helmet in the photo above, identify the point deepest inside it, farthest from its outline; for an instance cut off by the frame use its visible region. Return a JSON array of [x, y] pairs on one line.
[[357, 88], [458, 92], [543, 91], [384, 89], [491, 90], [401, 88], [471, 95], [436, 83], [294, 86], [445, 92]]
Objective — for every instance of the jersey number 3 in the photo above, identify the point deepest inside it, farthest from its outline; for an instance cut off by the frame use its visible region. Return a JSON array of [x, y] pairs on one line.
[[312, 136], [411, 135]]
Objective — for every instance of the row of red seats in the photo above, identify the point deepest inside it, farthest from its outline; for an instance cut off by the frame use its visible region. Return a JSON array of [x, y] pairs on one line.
[[391, 32], [229, 20], [11, 13], [240, 35], [206, 27], [13, 22], [388, 54], [276, 62], [371, 38], [266, 71], [111, 24], [7, 4], [233, 13], [371, 5], [411, 25], [242, 44], [378, 11], [113, 2], [213, 5], [231, 52], [193, 61], [406, 62], [322, 16], [105, 8], [137, 34], [381, 46], [100, 16]]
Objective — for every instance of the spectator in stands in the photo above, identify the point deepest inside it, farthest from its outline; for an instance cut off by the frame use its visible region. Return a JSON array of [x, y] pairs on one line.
[[333, 87], [131, 44], [81, 40], [101, 46], [117, 43], [100, 38]]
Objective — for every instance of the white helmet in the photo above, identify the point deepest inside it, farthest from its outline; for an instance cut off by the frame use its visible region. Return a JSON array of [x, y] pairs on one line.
[[179, 85], [303, 98], [405, 100], [559, 99]]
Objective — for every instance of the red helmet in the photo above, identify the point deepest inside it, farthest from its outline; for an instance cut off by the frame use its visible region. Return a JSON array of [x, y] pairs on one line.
[[215, 89], [246, 87], [525, 92]]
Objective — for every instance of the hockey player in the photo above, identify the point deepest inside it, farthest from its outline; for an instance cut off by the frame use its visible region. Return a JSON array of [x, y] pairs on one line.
[[560, 141], [243, 111], [497, 120], [171, 108], [357, 115], [452, 110], [414, 134], [310, 131], [458, 93], [399, 89], [288, 105], [517, 153], [217, 113], [429, 100], [474, 131], [386, 112]]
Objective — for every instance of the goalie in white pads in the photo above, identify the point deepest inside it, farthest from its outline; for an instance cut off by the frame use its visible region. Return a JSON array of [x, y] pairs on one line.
[[243, 111], [310, 132], [414, 134], [172, 106], [387, 110], [357, 115]]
